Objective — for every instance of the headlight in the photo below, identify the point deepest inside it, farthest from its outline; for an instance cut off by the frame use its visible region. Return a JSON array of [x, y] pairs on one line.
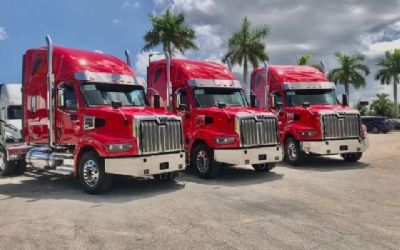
[[309, 133], [224, 140], [119, 147]]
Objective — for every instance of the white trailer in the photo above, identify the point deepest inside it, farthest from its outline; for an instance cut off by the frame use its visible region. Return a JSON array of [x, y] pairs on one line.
[[11, 109]]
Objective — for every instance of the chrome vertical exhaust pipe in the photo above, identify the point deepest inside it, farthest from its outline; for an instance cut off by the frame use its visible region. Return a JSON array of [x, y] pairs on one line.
[[50, 86], [266, 68], [128, 58], [169, 84]]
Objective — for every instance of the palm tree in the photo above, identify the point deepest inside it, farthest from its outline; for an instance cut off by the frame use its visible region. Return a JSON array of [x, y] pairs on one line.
[[382, 106], [390, 70], [171, 31], [304, 59], [247, 45], [351, 71]]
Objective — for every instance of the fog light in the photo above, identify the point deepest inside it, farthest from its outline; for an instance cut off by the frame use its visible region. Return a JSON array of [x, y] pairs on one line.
[[224, 140], [119, 147]]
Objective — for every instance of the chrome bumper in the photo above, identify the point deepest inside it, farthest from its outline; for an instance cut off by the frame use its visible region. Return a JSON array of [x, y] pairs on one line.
[[245, 156], [329, 147], [146, 165]]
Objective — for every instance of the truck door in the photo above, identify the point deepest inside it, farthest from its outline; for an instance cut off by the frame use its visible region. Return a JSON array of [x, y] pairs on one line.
[[279, 111], [68, 125], [182, 108]]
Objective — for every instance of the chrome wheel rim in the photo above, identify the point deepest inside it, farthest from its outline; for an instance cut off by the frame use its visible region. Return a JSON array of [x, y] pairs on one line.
[[375, 130], [291, 151], [202, 161], [90, 173], [2, 161]]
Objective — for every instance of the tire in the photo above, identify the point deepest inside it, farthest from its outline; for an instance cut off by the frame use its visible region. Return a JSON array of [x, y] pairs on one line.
[[264, 167], [203, 162], [293, 155], [375, 130], [351, 157], [92, 175], [167, 177], [20, 167], [6, 167]]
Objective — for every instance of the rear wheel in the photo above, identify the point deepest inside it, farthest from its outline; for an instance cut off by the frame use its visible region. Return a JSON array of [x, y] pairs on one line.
[[264, 167], [6, 167], [92, 174], [293, 154], [203, 162], [20, 167], [351, 157]]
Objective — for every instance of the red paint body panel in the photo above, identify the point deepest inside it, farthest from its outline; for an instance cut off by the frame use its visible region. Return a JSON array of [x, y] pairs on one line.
[[278, 75]]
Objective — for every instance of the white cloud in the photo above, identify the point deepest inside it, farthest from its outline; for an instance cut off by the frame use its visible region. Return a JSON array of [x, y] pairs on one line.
[[3, 34], [116, 20], [130, 4]]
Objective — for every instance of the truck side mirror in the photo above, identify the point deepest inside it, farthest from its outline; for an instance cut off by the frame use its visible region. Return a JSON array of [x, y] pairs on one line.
[[345, 100], [253, 100], [182, 107], [221, 105], [116, 105], [279, 105], [271, 101], [60, 98], [156, 99]]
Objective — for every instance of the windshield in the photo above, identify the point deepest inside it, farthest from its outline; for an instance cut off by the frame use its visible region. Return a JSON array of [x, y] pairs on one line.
[[311, 96], [206, 97], [104, 93], [14, 112]]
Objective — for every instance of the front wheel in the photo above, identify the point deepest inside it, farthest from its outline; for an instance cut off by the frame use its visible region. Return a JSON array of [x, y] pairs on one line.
[[264, 167], [375, 130], [203, 162], [92, 174], [6, 167], [352, 157], [293, 154]]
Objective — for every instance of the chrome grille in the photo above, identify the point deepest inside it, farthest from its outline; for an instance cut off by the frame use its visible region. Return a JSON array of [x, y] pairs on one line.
[[260, 131], [342, 126], [157, 137]]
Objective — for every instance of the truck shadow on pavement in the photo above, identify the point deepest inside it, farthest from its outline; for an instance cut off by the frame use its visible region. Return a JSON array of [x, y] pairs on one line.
[[327, 164], [35, 186], [233, 176]]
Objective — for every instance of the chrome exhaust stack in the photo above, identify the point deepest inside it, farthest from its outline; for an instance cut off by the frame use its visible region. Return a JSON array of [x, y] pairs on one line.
[[50, 86], [266, 68], [128, 58], [169, 84]]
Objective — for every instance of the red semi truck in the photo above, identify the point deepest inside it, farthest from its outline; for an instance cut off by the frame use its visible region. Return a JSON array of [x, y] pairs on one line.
[[85, 113], [312, 121], [219, 126]]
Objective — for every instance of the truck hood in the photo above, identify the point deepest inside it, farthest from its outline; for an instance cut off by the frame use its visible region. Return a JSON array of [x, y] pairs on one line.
[[131, 112], [235, 111], [330, 109]]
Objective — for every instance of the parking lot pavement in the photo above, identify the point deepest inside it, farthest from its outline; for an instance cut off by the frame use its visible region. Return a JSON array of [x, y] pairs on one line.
[[326, 204]]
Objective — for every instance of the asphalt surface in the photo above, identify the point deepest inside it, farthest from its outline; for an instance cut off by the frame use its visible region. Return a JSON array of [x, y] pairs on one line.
[[327, 204]]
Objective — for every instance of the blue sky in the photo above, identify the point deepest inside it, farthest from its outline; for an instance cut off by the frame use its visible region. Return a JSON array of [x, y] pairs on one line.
[[110, 26], [319, 28]]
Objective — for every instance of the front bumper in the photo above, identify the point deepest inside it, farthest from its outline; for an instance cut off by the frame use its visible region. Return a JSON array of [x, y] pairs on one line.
[[146, 165], [330, 147], [245, 156]]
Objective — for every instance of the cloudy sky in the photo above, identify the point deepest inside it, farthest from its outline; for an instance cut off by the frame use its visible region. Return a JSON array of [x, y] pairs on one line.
[[315, 27]]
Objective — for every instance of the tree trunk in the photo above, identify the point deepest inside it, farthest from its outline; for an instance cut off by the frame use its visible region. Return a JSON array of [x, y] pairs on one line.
[[396, 106], [246, 86], [347, 91]]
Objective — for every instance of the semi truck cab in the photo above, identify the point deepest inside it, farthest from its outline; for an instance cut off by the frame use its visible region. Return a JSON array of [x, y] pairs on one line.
[[311, 119], [219, 126], [11, 109], [85, 113]]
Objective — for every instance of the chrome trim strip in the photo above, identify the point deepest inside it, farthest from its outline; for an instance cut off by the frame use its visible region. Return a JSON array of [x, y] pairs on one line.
[[104, 77], [309, 85], [214, 83]]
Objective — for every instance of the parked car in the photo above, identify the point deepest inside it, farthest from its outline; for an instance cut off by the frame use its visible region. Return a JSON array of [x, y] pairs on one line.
[[396, 123], [377, 124]]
